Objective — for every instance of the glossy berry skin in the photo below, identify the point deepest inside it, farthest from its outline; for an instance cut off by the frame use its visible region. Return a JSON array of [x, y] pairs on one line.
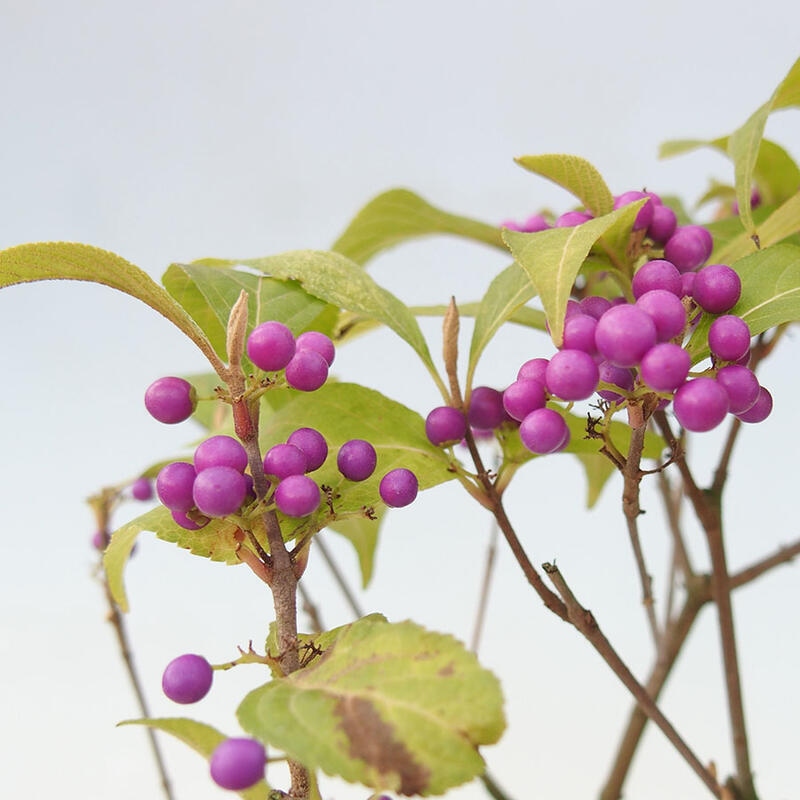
[[445, 425], [618, 376], [645, 215], [594, 306], [307, 371], [579, 333], [170, 400], [534, 369], [663, 224], [716, 288], [666, 310], [760, 410], [219, 491], [624, 334], [700, 404], [174, 486], [187, 678], [238, 763], [656, 274], [186, 522], [220, 451], [356, 460], [142, 489], [398, 488], [314, 340], [297, 496], [486, 410], [688, 247], [572, 375], [523, 396], [728, 338], [741, 385], [283, 460], [570, 219], [270, 346], [313, 444], [534, 224], [544, 431], [665, 366]]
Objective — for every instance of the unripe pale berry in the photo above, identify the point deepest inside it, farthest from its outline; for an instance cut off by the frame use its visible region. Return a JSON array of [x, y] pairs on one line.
[[170, 400], [187, 678]]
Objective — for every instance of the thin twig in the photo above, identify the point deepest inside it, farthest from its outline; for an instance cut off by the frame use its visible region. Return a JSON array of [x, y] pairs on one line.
[[492, 789], [310, 608], [483, 601], [339, 577]]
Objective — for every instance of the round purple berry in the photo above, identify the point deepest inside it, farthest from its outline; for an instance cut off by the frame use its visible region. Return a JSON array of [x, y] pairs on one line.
[[238, 763], [666, 310], [716, 288], [760, 410], [579, 333], [314, 340], [728, 338], [624, 334], [187, 678], [700, 404], [187, 522], [270, 346], [356, 460], [142, 489], [523, 396], [656, 274], [297, 496], [219, 491], [570, 219], [572, 375], [313, 444], [663, 224], [398, 487], [594, 306], [486, 410], [170, 400], [100, 540], [616, 376], [544, 431], [645, 215], [688, 247], [665, 366], [220, 451], [534, 369], [445, 425], [307, 371], [741, 385], [534, 224], [174, 486], [283, 460]]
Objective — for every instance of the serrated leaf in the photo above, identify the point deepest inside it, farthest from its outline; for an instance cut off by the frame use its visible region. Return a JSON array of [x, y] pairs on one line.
[[215, 541], [209, 293], [392, 706], [202, 738], [770, 295], [399, 215], [81, 262], [340, 281], [553, 258], [576, 175]]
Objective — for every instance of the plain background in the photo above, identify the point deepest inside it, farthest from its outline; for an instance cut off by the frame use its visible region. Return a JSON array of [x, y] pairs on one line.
[[173, 131]]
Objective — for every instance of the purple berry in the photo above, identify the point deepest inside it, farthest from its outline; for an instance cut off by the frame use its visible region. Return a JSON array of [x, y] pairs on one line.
[[219, 491], [760, 410], [170, 400], [220, 451], [624, 334], [322, 344], [700, 404], [356, 460], [572, 375], [307, 371], [728, 338], [544, 431], [656, 274], [594, 306], [741, 385], [398, 487], [100, 540], [688, 247], [187, 678], [666, 310], [313, 444], [486, 410], [270, 346], [142, 489], [188, 523], [534, 369], [445, 425], [665, 366], [579, 333], [238, 763], [570, 219], [663, 224], [617, 376], [534, 224], [174, 486], [297, 496], [283, 460], [716, 288], [523, 396], [645, 215]]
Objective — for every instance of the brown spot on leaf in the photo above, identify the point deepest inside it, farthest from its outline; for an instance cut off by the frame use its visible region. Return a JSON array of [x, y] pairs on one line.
[[372, 740], [447, 670]]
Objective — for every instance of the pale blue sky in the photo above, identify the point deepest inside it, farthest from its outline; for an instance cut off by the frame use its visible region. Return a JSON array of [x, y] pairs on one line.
[[171, 131]]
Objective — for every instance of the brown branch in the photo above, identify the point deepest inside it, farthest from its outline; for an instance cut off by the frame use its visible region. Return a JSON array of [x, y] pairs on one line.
[[756, 570], [338, 576], [483, 601]]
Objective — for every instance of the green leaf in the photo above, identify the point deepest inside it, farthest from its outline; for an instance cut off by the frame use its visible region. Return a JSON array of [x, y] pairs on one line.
[[553, 258], [342, 282], [574, 174], [391, 706], [362, 533], [399, 215], [598, 469], [202, 738], [208, 294], [80, 262], [770, 295], [214, 541]]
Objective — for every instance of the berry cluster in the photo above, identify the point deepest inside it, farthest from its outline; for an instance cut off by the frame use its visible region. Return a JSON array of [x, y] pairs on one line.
[[622, 350]]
